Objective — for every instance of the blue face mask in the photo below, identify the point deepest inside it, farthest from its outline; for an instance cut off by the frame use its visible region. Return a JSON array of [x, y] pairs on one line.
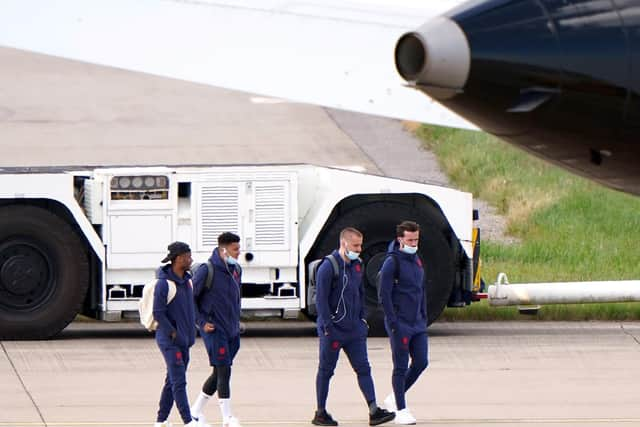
[[409, 249], [352, 255], [231, 260]]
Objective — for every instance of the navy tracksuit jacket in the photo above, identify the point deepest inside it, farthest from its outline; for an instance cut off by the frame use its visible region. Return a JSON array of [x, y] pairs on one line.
[[340, 311], [221, 304], [403, 303]]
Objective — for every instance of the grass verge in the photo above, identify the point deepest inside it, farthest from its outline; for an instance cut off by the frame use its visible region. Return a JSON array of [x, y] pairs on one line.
[[571, 229]]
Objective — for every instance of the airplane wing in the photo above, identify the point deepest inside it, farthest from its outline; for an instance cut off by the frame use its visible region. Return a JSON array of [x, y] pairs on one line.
[[332, 53]]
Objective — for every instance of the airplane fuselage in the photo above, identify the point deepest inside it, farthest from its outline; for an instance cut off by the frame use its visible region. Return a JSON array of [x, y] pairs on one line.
[[558, 78]]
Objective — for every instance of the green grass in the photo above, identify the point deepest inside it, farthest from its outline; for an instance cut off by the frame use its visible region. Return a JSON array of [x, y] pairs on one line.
[[482, 311], [570, 228]]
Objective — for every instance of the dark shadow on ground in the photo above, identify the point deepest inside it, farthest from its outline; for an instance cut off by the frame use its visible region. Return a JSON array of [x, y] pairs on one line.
[[133, 330]]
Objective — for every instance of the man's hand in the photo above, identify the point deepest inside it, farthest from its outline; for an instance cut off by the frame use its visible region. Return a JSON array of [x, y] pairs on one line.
[[394, 327], [209, 327]]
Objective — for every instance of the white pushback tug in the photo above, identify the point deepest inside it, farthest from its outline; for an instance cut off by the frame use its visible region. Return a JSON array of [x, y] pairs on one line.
[[86, 241]]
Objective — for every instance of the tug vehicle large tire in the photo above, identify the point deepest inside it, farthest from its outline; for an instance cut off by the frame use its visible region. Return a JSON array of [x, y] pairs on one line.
[[377, 222], [44, 273]]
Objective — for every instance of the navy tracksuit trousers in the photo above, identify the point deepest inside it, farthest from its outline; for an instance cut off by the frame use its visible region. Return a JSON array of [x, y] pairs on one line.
[[356, 350], [404, 345], [175, 383]]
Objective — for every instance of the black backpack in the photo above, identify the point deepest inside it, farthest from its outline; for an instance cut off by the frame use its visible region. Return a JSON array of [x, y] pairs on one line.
[[210, 272], [396, 273], [313, 284]]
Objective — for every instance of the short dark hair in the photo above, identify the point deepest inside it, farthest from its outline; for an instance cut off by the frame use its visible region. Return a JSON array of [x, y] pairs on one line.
[[349, 230], [409, 226], [227, 238]]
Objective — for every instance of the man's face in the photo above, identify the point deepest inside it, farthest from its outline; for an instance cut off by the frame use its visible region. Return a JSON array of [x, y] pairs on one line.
[[233, 249], [410, 238], [353, 242], [184, 261]]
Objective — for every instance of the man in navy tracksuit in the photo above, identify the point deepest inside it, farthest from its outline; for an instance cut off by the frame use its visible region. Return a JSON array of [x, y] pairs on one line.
[[176, 330], [402, 295], [218, 319], [342, 325]]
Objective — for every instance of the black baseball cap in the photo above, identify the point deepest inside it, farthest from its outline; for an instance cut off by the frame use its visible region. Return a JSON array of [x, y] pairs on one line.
[[175, 249]]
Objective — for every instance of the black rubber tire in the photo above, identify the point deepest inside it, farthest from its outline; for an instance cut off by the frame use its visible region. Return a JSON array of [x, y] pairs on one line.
[[44, 273], [377, 221]]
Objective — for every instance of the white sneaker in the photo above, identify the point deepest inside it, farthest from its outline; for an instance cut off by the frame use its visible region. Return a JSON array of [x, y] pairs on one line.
[[162, 424], [231, 422], [200, 420], [193, 423], [390, 403], [404, 417]]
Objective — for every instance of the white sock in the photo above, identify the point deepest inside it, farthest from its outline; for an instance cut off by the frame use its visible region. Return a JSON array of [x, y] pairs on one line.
[[225, 408], [200, 402]]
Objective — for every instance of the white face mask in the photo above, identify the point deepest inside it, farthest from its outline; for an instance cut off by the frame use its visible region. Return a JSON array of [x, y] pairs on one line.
[[409, 249], [352, 255]]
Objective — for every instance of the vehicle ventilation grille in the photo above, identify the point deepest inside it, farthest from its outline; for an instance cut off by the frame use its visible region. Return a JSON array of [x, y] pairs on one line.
[[218, 212], [271, 209]]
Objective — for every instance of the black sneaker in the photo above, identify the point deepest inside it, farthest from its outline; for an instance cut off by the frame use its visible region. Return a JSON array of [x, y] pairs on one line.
[[323, 418], [380, 416]]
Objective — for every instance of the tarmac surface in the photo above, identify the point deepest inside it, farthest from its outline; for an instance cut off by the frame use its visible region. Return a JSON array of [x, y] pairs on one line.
[[489, 374], [57, 112]]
